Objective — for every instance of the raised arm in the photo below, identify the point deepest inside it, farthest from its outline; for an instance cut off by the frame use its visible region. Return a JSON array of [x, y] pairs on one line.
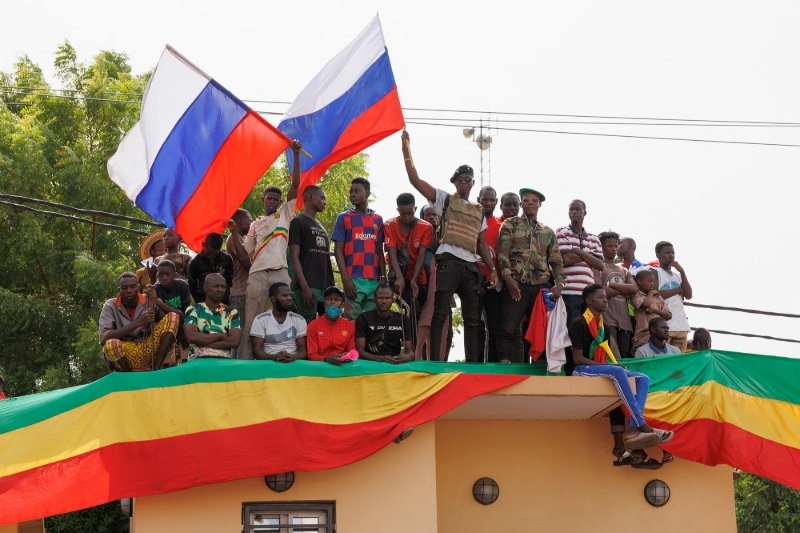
[[295, 186], [424, 188]]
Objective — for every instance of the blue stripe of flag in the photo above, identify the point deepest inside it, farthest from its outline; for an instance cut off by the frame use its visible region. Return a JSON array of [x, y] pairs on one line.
[[188, 152]]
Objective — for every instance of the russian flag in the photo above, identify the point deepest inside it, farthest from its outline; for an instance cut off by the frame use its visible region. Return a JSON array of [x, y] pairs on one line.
[[351, 104], [196, 152]]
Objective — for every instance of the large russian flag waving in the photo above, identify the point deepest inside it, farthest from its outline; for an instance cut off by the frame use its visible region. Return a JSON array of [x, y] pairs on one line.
[[196, 152], [351, 104]]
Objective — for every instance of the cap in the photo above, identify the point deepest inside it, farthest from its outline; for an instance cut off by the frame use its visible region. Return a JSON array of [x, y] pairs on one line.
[[528, 190], [333, 289], [463, 169], [148, 242]]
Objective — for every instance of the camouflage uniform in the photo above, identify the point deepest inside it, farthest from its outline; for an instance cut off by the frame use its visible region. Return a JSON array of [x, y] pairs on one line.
[[526, 257], [524, 252]]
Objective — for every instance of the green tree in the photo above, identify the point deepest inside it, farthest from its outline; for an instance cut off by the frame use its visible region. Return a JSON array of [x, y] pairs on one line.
[[57, 273], [764, 506]]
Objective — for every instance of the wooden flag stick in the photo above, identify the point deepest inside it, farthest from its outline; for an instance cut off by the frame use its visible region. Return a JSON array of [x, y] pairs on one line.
[[306, 154], [407, 146]]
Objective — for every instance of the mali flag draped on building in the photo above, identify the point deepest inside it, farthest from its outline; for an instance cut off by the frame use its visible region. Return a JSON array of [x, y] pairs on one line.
[[737, 409], [139, 434], [208, 421]]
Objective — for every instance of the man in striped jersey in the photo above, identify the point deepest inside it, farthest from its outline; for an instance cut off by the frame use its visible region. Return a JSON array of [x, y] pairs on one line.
[[582, 255], [266, 244]]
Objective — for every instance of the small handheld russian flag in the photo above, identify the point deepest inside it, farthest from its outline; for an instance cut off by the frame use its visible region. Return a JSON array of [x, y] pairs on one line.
[[350, 105], [196, 152]]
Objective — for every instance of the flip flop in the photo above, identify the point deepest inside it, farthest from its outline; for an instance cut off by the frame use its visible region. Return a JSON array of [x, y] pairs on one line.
[[648, 464], [642, 440], [627, 458], [665, 435], [668, 458]]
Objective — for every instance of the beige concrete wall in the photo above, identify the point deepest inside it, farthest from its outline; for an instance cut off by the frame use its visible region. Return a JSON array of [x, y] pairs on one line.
[[391, 491], [558, 476], [8, 528]]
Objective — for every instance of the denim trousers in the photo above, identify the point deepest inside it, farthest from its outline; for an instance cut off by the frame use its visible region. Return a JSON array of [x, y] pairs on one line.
[[619, 377]]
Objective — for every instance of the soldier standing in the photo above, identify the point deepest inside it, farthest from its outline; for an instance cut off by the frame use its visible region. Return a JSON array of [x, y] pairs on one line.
[[525, 248]]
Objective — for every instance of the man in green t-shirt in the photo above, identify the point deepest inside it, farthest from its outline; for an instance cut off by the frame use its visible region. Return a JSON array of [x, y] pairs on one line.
[[211, 327]]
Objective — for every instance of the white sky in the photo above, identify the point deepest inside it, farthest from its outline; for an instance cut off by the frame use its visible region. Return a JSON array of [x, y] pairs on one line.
[[722, 206]]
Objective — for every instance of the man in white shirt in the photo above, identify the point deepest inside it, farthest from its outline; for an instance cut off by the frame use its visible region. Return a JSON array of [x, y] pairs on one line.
[[279, 334], [674, 287], [266, 244]]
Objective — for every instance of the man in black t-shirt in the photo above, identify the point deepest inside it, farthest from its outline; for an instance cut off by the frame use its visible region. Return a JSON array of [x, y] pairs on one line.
[[587, 358], [171, 294], [211, 260], [309, 250], [380, 334]]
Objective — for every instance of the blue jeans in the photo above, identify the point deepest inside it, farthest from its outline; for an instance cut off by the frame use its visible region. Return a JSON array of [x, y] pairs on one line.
[[619, 377]]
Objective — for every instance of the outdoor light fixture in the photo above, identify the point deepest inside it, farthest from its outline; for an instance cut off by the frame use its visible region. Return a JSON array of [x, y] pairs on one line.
[[280, 482], [656, 493], [404, 435], [126, 506], [485, 490]]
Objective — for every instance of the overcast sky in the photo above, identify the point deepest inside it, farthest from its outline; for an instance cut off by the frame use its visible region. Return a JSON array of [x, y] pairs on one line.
[[727, 208]]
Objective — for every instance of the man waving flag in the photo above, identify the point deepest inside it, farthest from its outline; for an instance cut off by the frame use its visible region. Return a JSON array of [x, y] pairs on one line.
[[350, 105], [196, 152]]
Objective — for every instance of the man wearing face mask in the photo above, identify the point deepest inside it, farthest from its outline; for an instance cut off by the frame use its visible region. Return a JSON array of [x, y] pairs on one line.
[[461, 244], [332, 336]]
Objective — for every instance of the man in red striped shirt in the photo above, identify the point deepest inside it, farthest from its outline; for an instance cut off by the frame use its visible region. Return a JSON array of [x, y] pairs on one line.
[[582, 255]]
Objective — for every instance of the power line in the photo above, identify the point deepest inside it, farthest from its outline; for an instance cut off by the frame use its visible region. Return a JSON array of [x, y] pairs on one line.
[[65, 97], [79, 210], [750, 335], [708, 122], [612, 135], [740, 310], [587, 116], [49, 89], [70, 217], [692, 124]]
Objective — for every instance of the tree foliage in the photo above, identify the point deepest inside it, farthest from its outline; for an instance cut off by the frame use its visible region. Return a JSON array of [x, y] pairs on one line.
[[764, 506], [57, 273]]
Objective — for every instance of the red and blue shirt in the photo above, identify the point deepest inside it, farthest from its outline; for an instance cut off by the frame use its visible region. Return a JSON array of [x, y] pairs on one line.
[[362, 236]]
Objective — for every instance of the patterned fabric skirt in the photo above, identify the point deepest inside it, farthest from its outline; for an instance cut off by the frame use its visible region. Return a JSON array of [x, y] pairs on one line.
[[140, 355]]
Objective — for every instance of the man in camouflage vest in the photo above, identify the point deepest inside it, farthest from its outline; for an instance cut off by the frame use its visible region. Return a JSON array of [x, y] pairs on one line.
[[525, 248], [461, 244]]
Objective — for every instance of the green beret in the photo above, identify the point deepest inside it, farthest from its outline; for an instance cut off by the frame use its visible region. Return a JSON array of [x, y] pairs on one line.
[[527, 190]]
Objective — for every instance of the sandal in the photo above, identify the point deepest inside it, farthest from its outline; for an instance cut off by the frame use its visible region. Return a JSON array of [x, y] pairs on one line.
[[642, 440], [668, 458], [648, 464], [665, 435], [627, 458]]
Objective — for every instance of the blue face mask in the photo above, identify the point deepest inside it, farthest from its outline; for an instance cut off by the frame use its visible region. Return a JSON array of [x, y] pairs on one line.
[[333, 311]]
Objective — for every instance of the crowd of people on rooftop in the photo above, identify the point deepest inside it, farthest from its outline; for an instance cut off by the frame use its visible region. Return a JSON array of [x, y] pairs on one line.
[[522, 286]]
